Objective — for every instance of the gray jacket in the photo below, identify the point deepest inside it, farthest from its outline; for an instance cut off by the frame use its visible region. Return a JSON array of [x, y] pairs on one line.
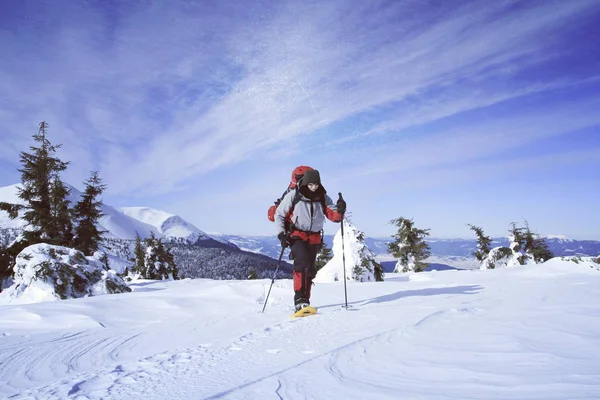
[[307, 215]]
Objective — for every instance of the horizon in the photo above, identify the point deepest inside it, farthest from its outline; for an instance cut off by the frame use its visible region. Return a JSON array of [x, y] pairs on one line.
[[453, 114]]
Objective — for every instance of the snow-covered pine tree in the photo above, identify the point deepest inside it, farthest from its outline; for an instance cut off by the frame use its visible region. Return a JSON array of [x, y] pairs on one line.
[[139, 256], [61, 212], [43, 225], [483, 243], [511, 256], [525, 248], [516, 238], [169, 269], [158, 261], [39, 166], [325, 254], [536, 246], [358, 258], [409, 246], [87, 212]]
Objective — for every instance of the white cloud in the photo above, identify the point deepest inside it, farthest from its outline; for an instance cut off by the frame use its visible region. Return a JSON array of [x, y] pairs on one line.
[[166, 93]]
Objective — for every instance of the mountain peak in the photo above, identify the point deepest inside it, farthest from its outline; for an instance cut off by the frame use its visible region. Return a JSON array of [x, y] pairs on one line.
[[166, 224], [120, 222]]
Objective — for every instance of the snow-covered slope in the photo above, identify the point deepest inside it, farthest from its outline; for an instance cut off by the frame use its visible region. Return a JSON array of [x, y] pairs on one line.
[[165, 224], [122, 223], [8, 194], [521, 333]]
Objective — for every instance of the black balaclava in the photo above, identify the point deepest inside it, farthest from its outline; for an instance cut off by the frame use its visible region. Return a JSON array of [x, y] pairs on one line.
[[311, 176]]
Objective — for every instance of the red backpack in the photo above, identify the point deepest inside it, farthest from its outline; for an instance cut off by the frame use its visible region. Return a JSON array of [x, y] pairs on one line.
[[297, 174]]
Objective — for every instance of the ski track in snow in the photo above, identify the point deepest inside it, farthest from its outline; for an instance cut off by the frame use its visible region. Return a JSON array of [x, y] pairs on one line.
[[198, 372], [373, 352], [202, 372]]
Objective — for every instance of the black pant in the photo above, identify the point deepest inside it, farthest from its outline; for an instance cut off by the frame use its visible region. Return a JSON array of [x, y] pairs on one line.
[[305, 255]]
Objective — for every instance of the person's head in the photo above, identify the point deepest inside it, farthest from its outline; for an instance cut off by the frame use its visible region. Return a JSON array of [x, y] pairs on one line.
[[312, 180]]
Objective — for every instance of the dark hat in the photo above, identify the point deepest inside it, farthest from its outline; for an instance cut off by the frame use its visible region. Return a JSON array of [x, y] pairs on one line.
[[311, 176]]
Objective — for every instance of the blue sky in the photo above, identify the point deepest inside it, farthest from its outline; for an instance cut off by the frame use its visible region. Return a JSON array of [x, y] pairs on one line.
[[449, 113]]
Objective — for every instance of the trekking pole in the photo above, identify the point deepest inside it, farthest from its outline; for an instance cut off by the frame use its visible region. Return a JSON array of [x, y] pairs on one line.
[[274, 275], [344, 258]]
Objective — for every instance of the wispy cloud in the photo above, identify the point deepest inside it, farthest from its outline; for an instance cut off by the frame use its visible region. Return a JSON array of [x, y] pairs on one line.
[[157, 95]]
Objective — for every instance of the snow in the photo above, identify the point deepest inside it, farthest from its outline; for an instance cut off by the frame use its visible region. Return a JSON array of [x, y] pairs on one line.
[[122, 223], [528, 332], [560, 238], [354, 252], [9, 194], [45, 273], [146, 214], [164, 223]]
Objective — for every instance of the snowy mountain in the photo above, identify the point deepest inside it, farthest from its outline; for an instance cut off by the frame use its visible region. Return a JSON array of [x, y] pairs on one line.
[[165, 224], [119, 222], [197, 254]]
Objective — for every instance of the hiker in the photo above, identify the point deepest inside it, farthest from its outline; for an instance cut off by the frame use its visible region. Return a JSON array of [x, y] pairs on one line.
[[299, 220]]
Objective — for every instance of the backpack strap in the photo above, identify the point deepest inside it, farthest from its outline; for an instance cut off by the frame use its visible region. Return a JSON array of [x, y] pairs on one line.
[[296, 200]]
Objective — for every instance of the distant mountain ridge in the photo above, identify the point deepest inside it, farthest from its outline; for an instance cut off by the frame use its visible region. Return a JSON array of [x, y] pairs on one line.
[[561, 246], [124, 223], [197, 254]]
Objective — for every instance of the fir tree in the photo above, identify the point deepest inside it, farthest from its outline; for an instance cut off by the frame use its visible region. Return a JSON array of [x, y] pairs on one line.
[[139, 255], [409, 246], [61, 212], [39, 166], [483, 243], [158, 260], [252, 274], [517, 242], [325, 254], [536, 246], [87, 212], [364, 267]]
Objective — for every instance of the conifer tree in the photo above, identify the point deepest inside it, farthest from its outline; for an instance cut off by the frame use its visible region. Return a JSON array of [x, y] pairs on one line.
[[357, 260], [39, 166], [517, 242], [139, 256], [87, 212], [409, 246], [61, 213], [535, 245], [158, 260], [325, 254], [483, 243]]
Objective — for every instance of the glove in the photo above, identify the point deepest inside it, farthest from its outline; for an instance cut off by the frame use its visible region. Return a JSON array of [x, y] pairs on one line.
[[341, 206], [283, 239]]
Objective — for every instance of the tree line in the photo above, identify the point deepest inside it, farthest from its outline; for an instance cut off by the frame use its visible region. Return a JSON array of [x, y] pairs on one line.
[[46, 208], [411, 249], [50, 218]]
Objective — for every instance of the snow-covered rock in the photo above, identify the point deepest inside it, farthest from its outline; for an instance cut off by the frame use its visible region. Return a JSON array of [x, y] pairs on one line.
[[45, 273]]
